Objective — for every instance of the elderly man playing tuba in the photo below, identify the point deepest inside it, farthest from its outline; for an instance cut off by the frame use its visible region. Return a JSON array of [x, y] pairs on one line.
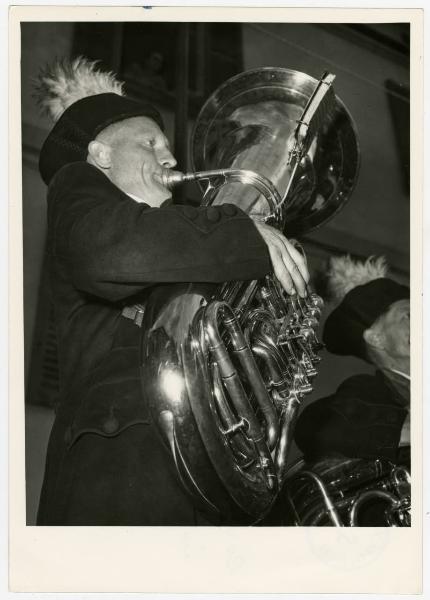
[[113, 232]]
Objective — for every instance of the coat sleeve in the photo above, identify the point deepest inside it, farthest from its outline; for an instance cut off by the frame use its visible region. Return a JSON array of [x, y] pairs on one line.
[[114, 246]]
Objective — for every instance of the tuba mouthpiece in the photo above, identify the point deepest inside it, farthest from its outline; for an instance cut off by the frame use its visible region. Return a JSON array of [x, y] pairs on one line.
[[170, 178]]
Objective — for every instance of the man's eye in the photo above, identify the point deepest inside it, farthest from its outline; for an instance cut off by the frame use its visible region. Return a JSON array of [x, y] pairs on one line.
[[150, 142]]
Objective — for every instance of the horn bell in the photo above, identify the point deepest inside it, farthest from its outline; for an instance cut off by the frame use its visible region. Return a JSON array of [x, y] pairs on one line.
[[249, 123]]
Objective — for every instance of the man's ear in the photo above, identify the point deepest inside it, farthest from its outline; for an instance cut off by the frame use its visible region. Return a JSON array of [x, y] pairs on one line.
[[99, 154], [373, 338]]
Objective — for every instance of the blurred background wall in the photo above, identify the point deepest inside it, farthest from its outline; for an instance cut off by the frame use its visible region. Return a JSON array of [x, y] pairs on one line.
[[177, 66]]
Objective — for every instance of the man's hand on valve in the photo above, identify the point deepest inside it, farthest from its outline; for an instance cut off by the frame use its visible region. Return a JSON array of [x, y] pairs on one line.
[[289, 264]]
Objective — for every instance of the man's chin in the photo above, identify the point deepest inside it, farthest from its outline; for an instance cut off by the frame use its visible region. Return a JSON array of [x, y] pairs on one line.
[[156, 197]]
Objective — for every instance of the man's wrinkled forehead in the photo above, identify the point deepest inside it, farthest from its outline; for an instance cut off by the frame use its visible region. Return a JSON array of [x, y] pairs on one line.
[[130, 127]]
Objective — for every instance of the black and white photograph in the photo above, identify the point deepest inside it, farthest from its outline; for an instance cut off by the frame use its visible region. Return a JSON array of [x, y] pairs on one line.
[[217, 275]]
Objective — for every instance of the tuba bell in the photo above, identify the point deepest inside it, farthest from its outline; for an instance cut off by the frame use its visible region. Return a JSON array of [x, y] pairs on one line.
[[225, 367]]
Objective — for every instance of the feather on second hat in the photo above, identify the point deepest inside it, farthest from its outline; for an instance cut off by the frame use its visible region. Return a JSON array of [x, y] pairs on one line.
[[82, 101], [365, 293]]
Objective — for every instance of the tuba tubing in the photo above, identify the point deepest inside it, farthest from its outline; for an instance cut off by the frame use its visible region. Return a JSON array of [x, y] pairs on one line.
[[233, 383], [218, 177], [361, 499]]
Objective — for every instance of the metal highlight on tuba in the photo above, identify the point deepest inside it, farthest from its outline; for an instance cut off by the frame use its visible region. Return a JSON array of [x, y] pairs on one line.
[[225, 367]]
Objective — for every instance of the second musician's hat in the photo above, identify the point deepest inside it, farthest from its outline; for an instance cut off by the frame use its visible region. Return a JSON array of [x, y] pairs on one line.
[[363, 293], [82, 101]]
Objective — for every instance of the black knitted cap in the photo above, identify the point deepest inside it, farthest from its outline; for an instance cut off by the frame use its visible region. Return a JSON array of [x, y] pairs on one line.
[[81, 122], [344, 328]]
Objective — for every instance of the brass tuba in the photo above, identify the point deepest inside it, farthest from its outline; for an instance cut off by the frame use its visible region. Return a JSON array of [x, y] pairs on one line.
[[349, 492], [226, 367]]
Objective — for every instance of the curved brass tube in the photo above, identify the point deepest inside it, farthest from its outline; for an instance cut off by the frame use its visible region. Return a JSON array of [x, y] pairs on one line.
[[362, 498], [170, 179], [167, 424], [272, 360], [288, 421], [231, 426], [215, 311], [329, 504]]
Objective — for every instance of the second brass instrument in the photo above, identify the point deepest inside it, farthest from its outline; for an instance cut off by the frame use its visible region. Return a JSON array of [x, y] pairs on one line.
[[349, 492]]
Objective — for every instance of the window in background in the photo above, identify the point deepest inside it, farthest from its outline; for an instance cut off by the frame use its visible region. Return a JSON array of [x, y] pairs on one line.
[[145, 55]]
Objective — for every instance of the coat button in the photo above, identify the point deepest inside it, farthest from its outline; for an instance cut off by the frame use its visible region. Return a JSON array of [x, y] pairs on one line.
[[191, 212], [229, 210], [213, 214], [111, 425]]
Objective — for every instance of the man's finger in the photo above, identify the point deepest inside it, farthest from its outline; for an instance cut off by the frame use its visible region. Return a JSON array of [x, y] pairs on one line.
[[288, 263], [295, 256], [294, 271], [299, 259], [294, 263], [280, 270]]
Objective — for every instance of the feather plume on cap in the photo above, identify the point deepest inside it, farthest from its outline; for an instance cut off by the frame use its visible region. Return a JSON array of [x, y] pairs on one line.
[[345, 273], [64, 82]]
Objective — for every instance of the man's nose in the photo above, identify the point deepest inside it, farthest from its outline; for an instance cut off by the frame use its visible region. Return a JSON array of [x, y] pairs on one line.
[[166, 159]]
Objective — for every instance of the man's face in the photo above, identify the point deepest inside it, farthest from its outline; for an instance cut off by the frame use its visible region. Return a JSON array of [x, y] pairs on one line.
[[138, 151], [394, 326]]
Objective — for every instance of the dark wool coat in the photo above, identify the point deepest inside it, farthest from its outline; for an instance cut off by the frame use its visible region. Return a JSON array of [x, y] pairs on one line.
[[106, 464], [363, 419]]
